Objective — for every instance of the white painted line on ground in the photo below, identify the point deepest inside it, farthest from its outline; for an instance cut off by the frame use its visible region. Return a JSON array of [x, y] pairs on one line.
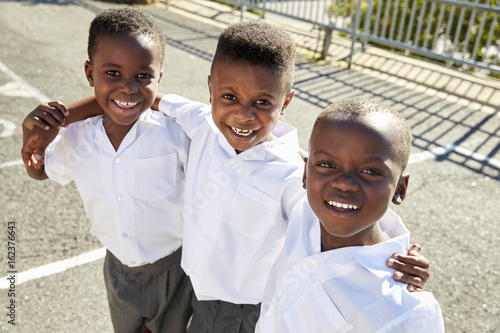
[[433, 153], [440, 151], [11, 163], [25, 85], [8, 128], [478, 157], [53, 268]]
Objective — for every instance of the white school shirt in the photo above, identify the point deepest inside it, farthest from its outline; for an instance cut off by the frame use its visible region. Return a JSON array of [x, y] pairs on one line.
[[133, 196], [236, 207], [343, 290]]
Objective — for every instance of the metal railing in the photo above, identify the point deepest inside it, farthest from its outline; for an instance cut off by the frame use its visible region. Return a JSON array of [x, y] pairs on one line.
[[458, 32]]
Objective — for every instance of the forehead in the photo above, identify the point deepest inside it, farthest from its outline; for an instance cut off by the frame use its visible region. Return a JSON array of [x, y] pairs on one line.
[[240, 71], [371, 131], [142, 46]]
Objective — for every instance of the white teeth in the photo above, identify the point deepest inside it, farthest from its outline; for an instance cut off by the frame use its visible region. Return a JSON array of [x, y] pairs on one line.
[[241, 132], [342, 205], [126, 104]]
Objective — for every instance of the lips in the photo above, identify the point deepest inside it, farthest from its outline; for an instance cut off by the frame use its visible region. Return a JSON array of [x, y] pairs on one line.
[[342, 206], [241, 132], [125, 105]]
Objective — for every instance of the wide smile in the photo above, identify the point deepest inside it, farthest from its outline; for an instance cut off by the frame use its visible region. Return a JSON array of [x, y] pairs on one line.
[[341, 209], [241, 132], [125, 106], [342, 206]]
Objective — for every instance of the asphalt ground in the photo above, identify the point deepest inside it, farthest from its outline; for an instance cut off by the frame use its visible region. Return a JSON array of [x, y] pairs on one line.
[[454, 189]]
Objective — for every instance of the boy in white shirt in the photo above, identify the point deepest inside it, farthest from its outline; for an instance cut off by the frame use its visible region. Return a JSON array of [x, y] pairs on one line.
[[128, 166], [244, 176], [331, 274]]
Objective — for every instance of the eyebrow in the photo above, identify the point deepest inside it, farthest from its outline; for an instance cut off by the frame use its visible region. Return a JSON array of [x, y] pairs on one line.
[[113, 65], [369, 159], [263, 94]]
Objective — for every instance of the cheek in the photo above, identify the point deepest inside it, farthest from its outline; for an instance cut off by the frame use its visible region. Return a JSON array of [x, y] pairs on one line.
[[270, 121]]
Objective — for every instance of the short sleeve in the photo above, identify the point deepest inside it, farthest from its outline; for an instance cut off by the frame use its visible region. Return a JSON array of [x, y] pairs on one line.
[[190, 115], [426, 317], [56, 158]]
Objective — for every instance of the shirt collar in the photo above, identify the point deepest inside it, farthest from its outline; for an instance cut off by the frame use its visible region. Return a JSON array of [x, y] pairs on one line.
[[371, 257], [147, 117]]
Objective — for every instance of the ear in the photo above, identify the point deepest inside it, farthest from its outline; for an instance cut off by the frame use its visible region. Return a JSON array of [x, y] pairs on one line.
[[304, 177], [161, 75], [209, 88], [89, 73], [288, 99], [401, 189]]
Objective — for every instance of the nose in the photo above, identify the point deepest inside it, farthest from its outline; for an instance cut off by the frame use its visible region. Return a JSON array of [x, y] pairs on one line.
[[345, 182], [245, 113], [130, 86]]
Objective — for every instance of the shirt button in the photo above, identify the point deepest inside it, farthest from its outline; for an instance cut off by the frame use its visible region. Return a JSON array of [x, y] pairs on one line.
[[203, 237], [121, 198], [124, 235], [117, 160], [312, 261], [216, 201]]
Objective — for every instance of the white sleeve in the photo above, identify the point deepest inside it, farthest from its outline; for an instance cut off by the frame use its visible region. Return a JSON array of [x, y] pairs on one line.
[[56, 160], [190, 115], [426, 317]]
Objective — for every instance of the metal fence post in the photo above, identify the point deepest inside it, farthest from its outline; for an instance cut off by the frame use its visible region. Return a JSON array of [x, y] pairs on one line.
[[326, 42]]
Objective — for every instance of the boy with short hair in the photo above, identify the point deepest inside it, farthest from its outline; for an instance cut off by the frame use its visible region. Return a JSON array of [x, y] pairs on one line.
[[244, 175], [331, 274], [128, 166]]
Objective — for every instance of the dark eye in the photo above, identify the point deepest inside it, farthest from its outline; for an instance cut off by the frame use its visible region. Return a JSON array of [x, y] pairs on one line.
[[113, 73], [371, 172], [229, 97], [262, 102], [144, 76], [325, 165]]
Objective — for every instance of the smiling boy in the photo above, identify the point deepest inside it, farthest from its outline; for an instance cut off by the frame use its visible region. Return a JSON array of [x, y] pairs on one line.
[[128, 166], [331, 275]]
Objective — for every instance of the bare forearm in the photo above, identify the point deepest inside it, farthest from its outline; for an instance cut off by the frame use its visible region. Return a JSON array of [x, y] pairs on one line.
[[156, 104], [83, 109]]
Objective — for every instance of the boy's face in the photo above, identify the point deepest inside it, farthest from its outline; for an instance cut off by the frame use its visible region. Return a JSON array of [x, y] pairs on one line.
[[125, 73], [351, 177], [247, 101]]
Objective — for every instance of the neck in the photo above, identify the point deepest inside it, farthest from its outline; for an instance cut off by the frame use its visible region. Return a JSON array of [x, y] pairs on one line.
[[116, 132], [370, 236]]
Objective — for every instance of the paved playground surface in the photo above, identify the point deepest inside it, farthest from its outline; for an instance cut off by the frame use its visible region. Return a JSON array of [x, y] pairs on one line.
[[454, 192]]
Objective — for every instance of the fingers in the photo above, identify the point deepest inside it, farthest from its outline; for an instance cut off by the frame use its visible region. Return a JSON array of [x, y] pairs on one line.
[[414, 282], [37, 161], [31, 153], [35, 142], [415, 250], [410, 261], [34, 159], [410, 269], [52, 114], [59, 107]]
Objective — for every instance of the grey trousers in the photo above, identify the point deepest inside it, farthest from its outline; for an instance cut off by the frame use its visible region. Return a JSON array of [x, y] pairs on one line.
[[223, 317], [155, 296]]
